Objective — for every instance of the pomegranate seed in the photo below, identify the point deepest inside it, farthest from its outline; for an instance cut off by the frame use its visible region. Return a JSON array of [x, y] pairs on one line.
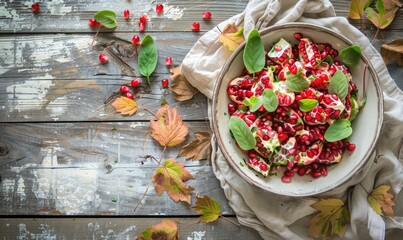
[[130, 95], [92, 22], [168, 61], [282, 136], [277, 48], [351, 147], [301, 172], [142, 26], [298, 36], [196, 26], [35, 7], [164, 82], [135, 82], [103, 58], [285, 179], [143, 19], [159, 8], [126, 14], [323, 170], [316, 174], [124, 89], [263, 167], [206, 15], [288, 173], [135, 40], [252, 155]]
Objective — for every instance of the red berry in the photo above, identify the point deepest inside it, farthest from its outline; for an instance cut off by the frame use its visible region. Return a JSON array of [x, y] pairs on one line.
[[196, 26], [298, 36], [143, 19], [135, 82], [130, 95], [135, 39], [35, 7], [103, 58], [351, 147], [206, 15], [142, 26], [159, 8], [92, 22], [168, 61], [124, 89], [165, 83], [126, 14]]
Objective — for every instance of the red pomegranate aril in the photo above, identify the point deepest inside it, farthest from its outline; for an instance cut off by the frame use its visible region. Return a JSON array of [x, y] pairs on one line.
[[159, 8], [103, 58], [351, 147], [142, 26], [282, 136], [143, 19], [316, 174], [126, 14], [164, 82], [323, 171], [135, 82], [35, 7], [285, 179], [124, 89], [135, 40], [231, 108], [288, 173], [252, 155], [263, 166], [168, 61], [206, 15], [130, 95], [298, 36], [195, 26], [92, 22]]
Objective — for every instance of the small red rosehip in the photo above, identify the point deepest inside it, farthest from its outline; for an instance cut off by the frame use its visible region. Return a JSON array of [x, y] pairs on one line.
[[126, 14], [159, 8], [103, 58], [143, 18], [168, 61], [135, 39], [92, 22], [206, 15], [35, 7], [164, 83], [196, 26], [135, 82], [124, 89], [142, 26], [130, 95]]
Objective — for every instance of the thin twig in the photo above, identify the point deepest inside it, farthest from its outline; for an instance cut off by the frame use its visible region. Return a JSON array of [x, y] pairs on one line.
[[149, 111], [229, 220], [95, 37]]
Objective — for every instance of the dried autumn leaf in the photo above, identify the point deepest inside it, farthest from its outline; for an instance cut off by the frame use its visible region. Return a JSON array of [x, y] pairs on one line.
[[171, 177], [384, 15], [198, 149], [125, 106], [181, 87], [393, 50], [232, 36], [208, 207], [167, 230], [333, 219], [379, 199], [168, 129], [357, 8]]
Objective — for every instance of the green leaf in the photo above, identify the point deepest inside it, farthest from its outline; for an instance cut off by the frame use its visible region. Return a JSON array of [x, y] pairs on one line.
[[148, 56], [270, 100], [243, 135], [208, 207], [338, 84], [296, 83], [107, 18], [255, 103], [355, 108], [338, 130], [307, 105], [328, 59], [351, 55], [253, 54], [380, 7]]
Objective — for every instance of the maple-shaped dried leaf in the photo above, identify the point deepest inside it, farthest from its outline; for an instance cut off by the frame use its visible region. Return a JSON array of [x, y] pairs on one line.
[[171, 177], [125, 106], [384, 16], [168, 129], [357, 8], [198, 149], [333, 219], [181, 87], [208, 207], [167, 230], [232, 36], [393, 50], [381, 201]]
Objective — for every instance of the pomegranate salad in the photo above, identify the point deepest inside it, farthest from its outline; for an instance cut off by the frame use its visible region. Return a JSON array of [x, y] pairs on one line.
[[294, 115]]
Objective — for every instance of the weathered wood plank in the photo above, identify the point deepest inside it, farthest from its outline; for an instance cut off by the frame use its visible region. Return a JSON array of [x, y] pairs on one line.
[[117, 228], [79, 168]]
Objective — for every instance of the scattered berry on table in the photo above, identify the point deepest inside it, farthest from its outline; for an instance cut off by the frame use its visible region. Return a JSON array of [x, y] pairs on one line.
[[135, 82], [92, 22], [126, 14], [124, 89], [165, 83], [168, 61], [159, 8], [135, 39], [206, 15], [130, 95], [142, 26], [143, 18], [196, 26], [103, 58], [35, 7]]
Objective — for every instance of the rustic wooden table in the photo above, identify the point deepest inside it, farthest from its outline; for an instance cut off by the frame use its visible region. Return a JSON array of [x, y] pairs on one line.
[[64, 173]]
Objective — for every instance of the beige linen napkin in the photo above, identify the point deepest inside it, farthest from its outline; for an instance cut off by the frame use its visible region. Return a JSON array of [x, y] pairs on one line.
[[279, 217]]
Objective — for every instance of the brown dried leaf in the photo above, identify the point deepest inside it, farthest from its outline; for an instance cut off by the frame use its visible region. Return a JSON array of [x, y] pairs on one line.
[[357, 8], [125, 106], [393, 50], [379, 199], [181, 87], [168, 129], [208, 207], [167, 230], [198, 149], [232, 36]]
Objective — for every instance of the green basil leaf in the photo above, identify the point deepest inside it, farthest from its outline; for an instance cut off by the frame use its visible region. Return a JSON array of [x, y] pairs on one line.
[[338, 84], [338, 130], [380, 7], [351, 55], [355, 108], [255, 103], [363, 101], [148, 56], [253, 54], [270, 100], [242, 134], [246, 102], [307, 105], [107, 18], [296, 83], [328, 59]]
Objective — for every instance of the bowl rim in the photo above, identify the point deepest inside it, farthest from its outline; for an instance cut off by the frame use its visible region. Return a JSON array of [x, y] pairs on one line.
[[332, 186]]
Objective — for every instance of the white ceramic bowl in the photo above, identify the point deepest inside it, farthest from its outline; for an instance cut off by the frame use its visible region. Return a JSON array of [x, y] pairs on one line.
[[366, 127]]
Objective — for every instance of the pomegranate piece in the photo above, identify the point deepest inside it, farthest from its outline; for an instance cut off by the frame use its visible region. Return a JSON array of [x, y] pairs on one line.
[[333, 107], [35, 7], [259, 165], [238, 89], [309, 53], [285, 96], [281, 52]]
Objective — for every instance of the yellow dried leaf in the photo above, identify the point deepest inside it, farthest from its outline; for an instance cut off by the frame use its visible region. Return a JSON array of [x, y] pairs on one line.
[[393, 50], [357, 8], [383, 17], [332, 220], [232, 36], [125, 106], [167, 230], [181, 87], [381, 201], [208, 207], [198, 149], [168, 129]]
